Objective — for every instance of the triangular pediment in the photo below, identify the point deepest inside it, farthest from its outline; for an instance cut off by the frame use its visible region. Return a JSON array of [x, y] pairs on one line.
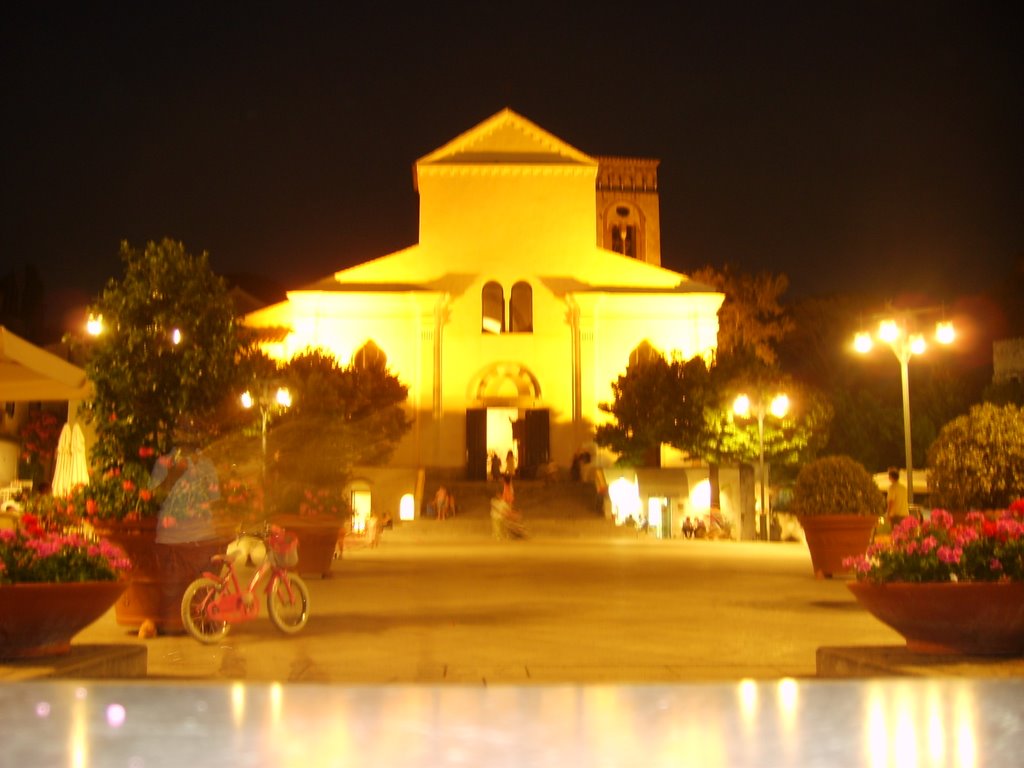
[[506, 138]]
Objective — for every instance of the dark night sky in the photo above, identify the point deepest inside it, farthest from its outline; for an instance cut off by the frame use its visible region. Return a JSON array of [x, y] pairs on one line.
[[850, 145]]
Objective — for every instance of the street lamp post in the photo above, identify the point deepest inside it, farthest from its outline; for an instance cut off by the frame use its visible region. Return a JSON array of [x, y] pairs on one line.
[[778, 408], [896, 335], [268, 402]]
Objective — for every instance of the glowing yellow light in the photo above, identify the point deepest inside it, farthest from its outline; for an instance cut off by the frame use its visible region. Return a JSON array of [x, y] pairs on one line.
[[176, 336], [917, 344], [276, 703], [964, 727], [935, 729], [888, 331], [625, 496], [780, 406], [700, 496], [407, 507], [904, 737], [238, 704], [741, 406], [283, 397], [945, 333], [787, 694], [79, 734], [94, 325], [747, 691], [247, 400], [655, 506], [862, 342]]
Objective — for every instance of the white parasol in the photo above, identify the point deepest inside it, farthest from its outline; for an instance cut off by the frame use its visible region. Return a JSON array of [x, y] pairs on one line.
[[79, 463], [62, 474], [72, 468]]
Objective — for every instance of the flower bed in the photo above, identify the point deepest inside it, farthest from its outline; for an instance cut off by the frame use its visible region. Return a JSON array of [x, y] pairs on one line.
[[34, 554], [984, 548]]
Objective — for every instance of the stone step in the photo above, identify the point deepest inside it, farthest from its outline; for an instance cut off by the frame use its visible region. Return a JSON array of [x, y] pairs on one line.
[[478, 528], [534, 498]]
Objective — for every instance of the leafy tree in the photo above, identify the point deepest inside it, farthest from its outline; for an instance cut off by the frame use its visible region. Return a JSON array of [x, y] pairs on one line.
[[1009, 392], [342, 416], [788, 441], [977, 462], [752, 319], [168, 349], [656, 401]]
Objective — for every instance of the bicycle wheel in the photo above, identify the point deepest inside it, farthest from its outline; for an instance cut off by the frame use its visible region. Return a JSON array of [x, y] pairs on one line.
[[199, 594], [289, 611]]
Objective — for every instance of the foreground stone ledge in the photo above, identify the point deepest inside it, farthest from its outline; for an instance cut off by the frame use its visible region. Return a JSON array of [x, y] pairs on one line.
[[897, 661], [799, 723], [86, 662]]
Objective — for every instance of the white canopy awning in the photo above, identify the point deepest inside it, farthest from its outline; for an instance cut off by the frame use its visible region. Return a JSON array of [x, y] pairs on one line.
[[30, 373]]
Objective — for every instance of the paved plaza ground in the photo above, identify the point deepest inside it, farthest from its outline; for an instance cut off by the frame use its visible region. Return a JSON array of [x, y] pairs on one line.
[[540, 611]]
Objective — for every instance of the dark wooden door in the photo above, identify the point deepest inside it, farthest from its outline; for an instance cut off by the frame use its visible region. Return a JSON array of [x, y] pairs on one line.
[[476, 444], [535, 447]]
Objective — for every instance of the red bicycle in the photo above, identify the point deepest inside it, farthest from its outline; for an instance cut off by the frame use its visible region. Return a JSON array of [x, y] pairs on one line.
[[212, 603]]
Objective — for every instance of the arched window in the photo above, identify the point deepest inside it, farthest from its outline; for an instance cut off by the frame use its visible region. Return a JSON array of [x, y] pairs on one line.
[[624, 239], [369, 356], [492, 300], [520, 308]]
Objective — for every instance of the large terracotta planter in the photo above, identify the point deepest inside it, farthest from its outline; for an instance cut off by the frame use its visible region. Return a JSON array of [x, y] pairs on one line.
[[318, 540], [982, 619], [160, 573], [831, 538], [40, 619]]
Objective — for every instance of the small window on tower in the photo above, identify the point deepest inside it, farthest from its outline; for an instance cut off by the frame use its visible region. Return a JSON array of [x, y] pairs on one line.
[[624, 239]]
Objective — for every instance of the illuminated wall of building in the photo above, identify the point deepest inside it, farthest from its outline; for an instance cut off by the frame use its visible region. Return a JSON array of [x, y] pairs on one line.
[[506, 244]]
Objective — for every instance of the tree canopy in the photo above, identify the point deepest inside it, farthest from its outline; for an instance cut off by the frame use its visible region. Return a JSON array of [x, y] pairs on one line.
[[656, 401], [168, 349], [342, 416], [752, 319]]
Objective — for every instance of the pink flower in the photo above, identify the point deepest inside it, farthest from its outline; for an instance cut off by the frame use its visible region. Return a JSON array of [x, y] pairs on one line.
[[950, 554]]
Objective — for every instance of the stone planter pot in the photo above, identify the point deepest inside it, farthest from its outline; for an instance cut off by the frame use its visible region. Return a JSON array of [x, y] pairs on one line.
[[160, 572], [977, 618], [40, 619], [831, 538], [318, 540]]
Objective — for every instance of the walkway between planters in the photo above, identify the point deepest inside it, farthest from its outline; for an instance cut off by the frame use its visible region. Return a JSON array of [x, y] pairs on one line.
[[548, 610]]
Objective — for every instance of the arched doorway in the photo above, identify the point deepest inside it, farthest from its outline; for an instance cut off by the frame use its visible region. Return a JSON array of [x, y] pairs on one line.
[[507, 418]]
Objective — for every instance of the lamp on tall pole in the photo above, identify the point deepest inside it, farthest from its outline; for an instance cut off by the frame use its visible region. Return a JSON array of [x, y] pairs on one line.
[[268, 402], [778, 408], [897, 333]]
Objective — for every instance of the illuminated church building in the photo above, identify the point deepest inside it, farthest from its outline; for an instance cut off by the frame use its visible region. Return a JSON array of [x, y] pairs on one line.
[[518, 307]]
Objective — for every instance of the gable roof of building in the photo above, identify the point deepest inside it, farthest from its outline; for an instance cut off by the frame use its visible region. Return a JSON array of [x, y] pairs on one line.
[[505, 138]]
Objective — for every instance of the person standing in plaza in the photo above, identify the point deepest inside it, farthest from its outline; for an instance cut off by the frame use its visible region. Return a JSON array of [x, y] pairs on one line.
[[896, 499]]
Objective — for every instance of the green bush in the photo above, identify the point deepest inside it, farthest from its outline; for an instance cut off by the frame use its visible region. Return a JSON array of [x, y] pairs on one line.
[[836, 485], [977, 461]]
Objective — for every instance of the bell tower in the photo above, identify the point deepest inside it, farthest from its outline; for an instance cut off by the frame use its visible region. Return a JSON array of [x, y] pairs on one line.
[[628, 218]]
